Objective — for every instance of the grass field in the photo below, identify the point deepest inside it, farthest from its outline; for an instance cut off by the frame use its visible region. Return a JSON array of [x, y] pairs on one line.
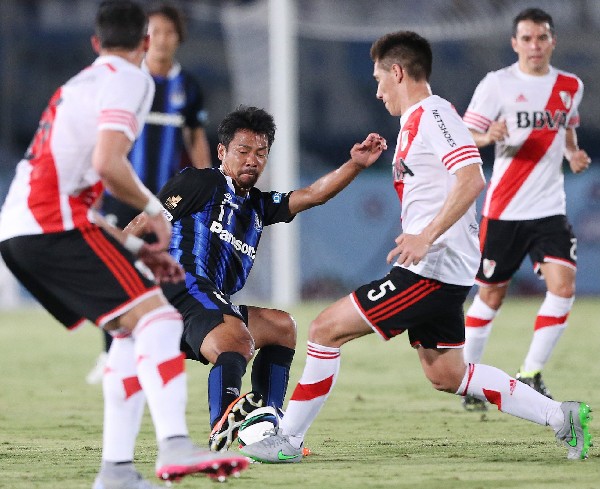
[[390, 430]]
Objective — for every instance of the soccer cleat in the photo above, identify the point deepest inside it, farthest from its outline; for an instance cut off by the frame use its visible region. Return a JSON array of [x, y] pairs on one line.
[[117, 478], [275, 449], [95, 375], [179, 457], [225, 431], [575, 433], [471, 403], [534, 380]]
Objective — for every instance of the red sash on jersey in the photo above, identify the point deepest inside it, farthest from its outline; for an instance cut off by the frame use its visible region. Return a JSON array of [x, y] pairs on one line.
[[407, 134], [531, 152]]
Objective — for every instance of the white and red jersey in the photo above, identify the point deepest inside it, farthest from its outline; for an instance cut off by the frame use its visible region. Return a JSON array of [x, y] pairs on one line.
[[55, 184], [432, 145], [527, 180]]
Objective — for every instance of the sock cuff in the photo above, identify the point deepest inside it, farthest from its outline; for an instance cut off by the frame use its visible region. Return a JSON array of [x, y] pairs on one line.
[[278, 354], [232, 358], [315, 347]]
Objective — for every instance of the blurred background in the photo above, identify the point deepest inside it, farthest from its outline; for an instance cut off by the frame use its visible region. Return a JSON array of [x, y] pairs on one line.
[[344, 243]]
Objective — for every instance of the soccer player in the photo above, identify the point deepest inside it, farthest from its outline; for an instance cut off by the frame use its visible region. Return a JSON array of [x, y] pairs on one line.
[[437, 174], [529, 111], [50, 241], [218, 218], [174, 131]]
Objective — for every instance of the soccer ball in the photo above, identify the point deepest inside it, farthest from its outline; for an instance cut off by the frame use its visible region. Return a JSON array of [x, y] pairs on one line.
[[257, 425]]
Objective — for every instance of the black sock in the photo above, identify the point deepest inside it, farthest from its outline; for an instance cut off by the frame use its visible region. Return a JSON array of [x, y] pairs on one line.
[[271, 373], [224, 383]]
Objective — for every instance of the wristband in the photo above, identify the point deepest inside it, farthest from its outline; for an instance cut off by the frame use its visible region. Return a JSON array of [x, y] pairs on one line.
[[133, 244], [153, 207]]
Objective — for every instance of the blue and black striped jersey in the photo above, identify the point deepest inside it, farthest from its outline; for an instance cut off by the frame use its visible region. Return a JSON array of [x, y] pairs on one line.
[[178, 102], [216, 232]]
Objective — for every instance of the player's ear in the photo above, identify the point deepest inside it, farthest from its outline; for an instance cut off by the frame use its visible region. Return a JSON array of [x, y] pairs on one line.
[[96, 44], [221, 150]]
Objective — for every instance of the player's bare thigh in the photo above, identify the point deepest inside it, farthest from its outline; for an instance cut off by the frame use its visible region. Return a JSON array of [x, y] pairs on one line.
[[560, 279], [271, 327], [445, 368], [337, 324], [129, 319]]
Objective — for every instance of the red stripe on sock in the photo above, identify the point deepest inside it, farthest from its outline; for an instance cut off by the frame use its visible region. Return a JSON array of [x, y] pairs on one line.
[[131, 385], [545, 321], [473, 322], [494, 397], [170, 369], [306, 392]]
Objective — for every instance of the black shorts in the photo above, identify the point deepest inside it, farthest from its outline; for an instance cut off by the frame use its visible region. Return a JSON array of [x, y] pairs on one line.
[[506, 243], [430, 310], [78, 274], [202, 306]]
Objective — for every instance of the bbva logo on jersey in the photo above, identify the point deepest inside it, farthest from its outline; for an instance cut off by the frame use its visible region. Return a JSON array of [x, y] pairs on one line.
[[539, 119]]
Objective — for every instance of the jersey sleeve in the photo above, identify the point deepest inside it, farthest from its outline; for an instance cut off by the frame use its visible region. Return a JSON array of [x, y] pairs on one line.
[[125, 101], [573, 121], [449, 139], [195, 113], [187, 192], [276, 207], [485, 106]]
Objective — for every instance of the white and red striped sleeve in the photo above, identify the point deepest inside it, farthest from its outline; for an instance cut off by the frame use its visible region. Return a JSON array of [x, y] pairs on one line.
[[450, 139], [485, 106], [121, 111]]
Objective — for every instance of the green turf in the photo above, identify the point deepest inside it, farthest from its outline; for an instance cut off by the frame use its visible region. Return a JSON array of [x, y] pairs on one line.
[[389, 430]]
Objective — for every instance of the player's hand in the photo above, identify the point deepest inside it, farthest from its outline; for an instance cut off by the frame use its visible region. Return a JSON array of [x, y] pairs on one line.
[[409, 250], [161, 264], [367, 152], [162, 230], [580, 161], [497, 131]]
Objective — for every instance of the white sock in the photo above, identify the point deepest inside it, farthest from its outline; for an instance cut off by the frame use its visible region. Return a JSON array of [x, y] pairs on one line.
[[124, 402], [317, 381], [161, 369], [510, 396], [550, 324], [478, 326]]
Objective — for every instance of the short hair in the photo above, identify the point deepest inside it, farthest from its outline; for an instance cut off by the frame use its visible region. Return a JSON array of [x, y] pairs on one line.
[[407, 49], [120, 24], [248, 118], [536, 15], [174, 15]]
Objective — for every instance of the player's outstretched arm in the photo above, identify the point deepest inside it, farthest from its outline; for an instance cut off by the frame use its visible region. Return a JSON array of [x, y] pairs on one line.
[[362, 155]]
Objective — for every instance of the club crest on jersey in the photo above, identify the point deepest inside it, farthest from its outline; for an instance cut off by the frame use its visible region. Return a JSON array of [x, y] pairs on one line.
[[566, 98], [400, 169], [488, 267], [257, 223], [177, 99], [172, 201], [277, 198]]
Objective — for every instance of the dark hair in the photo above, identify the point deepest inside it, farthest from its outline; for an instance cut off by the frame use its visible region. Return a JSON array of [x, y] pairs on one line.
[[407, 49], [536, 15], [250, 118], [120, 24], [174, 15]]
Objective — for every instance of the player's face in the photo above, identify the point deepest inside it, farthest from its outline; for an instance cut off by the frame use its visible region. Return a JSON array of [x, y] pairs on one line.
[[387, 83], [534, 45], [164, 39], [245, 158]]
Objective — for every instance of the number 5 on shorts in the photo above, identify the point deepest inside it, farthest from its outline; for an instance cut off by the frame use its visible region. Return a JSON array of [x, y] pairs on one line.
[[375, 296]]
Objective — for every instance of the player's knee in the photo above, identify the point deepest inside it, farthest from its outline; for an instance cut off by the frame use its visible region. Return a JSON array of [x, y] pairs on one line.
[[322, 330], [286, 330], [215, 344], [565, 289], [492, 297]]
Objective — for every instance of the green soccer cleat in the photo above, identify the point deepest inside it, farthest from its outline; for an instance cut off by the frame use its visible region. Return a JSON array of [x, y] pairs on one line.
[[575, 432], [274, 449]]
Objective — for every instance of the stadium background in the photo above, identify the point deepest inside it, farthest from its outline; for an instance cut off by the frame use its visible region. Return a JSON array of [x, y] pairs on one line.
[[344, 243]]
